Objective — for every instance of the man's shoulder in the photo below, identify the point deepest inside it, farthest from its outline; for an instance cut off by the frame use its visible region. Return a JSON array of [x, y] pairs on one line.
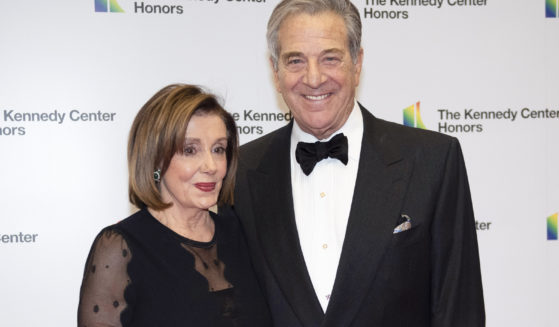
[[254, 150], [260, 143], [406, 136], [428, 151]]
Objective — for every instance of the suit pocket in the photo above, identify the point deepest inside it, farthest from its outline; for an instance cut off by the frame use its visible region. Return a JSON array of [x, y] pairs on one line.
[[408, 237], [406, 263]]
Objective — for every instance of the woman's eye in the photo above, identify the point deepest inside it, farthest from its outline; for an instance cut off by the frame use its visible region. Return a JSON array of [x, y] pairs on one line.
[[189, 150], [220, 149]]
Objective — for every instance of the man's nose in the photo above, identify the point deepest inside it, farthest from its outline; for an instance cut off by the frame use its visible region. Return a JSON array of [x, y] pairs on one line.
[[313, 75]]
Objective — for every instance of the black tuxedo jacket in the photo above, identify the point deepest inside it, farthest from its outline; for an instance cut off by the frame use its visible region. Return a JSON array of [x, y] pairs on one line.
[[428, 275]]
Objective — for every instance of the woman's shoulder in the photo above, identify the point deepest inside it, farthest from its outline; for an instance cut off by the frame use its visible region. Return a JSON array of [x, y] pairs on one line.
[[134, 219], [114, 239], [111, 245], [137, 224]]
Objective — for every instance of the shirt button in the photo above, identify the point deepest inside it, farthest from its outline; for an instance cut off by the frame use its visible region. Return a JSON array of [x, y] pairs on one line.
[[322, 194], [324, 246]]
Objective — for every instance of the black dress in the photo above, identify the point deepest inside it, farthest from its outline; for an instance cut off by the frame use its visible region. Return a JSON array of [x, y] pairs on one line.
[[141, 273]]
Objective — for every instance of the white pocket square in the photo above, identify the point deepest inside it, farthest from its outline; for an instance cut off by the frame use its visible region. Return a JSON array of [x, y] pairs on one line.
[[405, 225]]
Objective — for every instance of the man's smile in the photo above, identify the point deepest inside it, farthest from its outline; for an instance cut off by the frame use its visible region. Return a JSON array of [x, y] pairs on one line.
[[317, 97]]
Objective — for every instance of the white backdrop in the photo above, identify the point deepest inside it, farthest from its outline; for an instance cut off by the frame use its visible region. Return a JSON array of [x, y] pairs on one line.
[[62, 178]]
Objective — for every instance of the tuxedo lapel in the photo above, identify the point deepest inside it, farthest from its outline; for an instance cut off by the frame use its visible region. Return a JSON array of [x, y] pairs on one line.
[[270, 187], [379, 190]]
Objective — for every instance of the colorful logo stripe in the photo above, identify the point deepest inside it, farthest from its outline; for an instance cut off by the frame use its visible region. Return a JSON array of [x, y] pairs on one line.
[[107, 6], [552, 227], [550, 8], [412, 117]]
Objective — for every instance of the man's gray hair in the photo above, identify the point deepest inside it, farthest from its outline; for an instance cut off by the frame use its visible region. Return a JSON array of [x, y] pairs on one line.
[[344, 8]]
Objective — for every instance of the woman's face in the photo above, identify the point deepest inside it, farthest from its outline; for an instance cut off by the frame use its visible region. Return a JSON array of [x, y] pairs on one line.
[[193, 179]]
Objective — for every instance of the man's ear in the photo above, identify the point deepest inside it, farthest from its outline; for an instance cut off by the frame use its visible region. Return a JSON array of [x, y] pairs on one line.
[[276, 76], [358, 66]]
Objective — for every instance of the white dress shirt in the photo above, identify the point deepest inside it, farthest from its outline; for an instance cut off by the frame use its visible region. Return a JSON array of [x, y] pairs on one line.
[[322, 202]]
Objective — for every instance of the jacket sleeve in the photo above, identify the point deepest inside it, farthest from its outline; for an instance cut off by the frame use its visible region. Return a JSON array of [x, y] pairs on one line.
[[456, 287]]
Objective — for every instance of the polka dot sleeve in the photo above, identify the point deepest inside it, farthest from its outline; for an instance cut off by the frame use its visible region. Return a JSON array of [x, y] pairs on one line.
[[104, 282]]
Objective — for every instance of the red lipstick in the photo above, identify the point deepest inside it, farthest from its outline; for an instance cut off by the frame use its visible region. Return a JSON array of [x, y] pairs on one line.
[[205, 187]]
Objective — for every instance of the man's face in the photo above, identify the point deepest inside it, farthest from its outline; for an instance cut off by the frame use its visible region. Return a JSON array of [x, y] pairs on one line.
[[316, 75]]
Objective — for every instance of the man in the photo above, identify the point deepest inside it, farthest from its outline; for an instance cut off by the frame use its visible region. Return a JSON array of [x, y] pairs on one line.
[[380, 232]]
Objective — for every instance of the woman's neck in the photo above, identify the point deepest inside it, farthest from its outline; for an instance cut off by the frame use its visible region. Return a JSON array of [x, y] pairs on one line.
[[195, 224]]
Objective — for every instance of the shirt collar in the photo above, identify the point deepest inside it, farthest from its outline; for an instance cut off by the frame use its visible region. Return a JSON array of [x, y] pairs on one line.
[[352, 129]]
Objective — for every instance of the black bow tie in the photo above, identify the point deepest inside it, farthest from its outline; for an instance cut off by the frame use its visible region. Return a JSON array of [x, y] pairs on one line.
[[308, 154]]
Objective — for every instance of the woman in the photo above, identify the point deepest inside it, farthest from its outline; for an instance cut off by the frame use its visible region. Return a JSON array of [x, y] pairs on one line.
[[175, 263]]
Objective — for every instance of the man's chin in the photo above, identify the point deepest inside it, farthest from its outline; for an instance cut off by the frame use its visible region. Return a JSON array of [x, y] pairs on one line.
[[320, 129]]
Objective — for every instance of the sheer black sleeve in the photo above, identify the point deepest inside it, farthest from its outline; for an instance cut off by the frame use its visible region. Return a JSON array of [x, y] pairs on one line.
[[105, 280]]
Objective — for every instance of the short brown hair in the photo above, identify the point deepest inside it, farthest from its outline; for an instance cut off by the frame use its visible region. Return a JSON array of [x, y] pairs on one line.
[[158, 133]]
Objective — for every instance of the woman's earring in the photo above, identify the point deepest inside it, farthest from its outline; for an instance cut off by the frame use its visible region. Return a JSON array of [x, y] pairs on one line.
[[157, 175]]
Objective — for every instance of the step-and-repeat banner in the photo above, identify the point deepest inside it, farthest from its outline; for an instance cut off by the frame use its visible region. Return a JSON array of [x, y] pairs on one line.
[[73, 74]]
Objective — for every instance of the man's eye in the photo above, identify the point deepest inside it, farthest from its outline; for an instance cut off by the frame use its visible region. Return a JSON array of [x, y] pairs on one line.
[[294, 61], [331, 59]]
